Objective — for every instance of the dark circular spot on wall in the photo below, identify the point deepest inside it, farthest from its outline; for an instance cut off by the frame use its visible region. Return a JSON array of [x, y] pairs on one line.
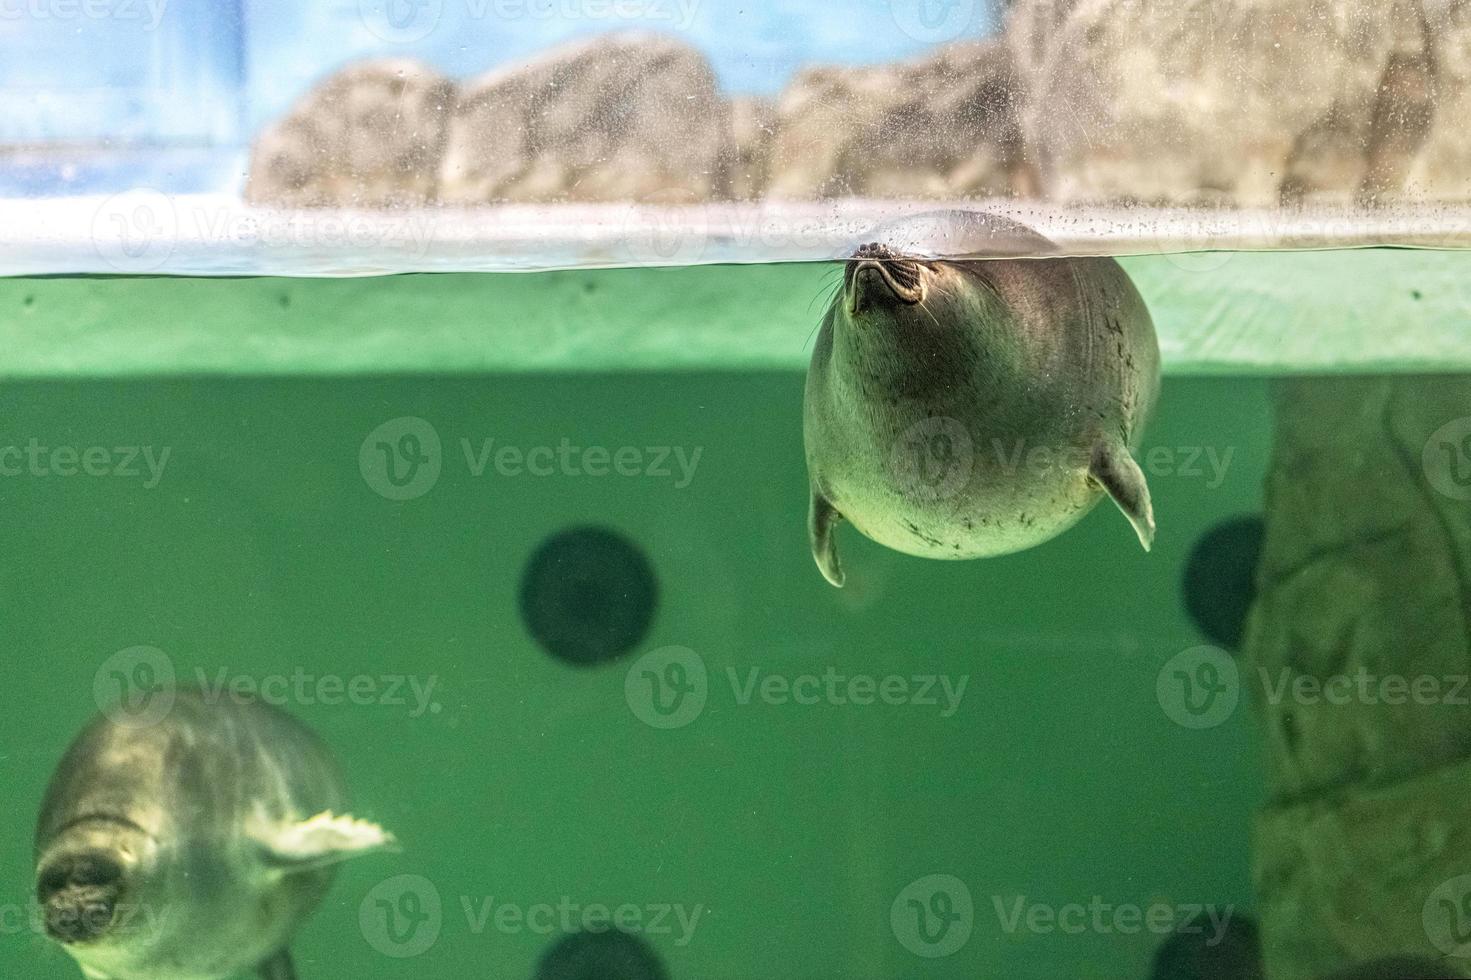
[[610, 955], [588, 596], [1220, 579], [1201, 954]]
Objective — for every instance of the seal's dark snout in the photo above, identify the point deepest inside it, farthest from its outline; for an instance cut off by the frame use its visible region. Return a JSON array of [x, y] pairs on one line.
[[79, 894], [877, 276]]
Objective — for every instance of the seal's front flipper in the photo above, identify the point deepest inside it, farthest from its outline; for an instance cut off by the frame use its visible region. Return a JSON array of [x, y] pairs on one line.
[[324, 839], [1115, 470], [821, 521], [278, 967]]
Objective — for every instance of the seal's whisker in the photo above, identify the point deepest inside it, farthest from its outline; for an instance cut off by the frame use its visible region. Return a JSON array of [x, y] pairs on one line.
[[829, 290], [928, 313], [821, 291]]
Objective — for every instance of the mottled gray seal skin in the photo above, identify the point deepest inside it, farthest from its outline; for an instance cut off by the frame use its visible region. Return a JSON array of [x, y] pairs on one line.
[[972, 408], [192, 848]]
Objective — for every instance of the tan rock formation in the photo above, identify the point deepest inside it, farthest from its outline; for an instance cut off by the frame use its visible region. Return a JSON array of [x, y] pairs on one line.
[[1231, 101], [370, 136], [941, 127], [623, 117]]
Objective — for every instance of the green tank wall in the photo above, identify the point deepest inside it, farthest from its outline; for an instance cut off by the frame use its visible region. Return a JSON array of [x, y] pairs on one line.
[[263, 550]]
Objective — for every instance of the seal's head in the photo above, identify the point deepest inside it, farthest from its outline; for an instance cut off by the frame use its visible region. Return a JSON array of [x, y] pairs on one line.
[[917, 322], [87, 878]]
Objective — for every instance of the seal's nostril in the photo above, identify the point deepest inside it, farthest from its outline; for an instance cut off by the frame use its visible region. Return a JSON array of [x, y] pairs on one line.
[[74, 919]]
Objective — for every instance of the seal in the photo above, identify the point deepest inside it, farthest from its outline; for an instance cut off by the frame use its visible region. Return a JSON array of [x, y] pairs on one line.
[[192, 848], [966, 408]]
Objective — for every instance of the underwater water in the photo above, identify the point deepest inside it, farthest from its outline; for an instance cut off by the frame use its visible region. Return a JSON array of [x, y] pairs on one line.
[[599, 677]]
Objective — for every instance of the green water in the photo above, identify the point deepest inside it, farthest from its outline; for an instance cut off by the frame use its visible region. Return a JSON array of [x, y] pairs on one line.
[[783, 832]]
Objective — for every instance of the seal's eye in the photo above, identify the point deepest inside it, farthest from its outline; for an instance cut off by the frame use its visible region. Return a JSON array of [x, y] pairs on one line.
[[905, 276], [82, 871], [93, 870]]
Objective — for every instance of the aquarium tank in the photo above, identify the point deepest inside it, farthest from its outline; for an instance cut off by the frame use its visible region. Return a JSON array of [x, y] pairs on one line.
[[696, 490]]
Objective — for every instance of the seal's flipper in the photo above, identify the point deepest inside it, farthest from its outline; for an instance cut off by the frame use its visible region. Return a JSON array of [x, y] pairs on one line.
[[820, 523], [278, 967], [324, 839], [1121, 478]]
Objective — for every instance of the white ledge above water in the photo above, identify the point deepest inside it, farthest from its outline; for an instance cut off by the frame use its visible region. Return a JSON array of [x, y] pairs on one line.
[[149, 233], [1355, 309]]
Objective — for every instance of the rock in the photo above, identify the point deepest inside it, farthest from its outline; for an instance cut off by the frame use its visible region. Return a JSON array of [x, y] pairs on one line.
[[623, 117], [1442, 170], [1358, 649], [942, 127], [370, 136], [1223, 101], [747, 168]]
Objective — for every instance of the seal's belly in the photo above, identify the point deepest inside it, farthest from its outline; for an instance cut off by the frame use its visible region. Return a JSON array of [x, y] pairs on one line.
[[986, 512]]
